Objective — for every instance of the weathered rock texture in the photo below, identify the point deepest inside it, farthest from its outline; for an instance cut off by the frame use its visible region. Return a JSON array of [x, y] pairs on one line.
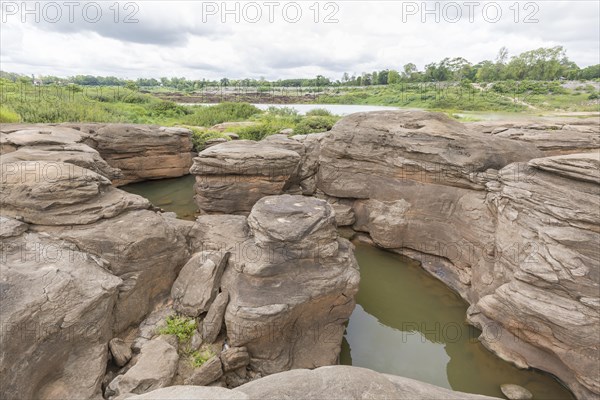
[[123, 153], [81, 260], [291, 286], [557, 136], [339, 382], [231, 177]]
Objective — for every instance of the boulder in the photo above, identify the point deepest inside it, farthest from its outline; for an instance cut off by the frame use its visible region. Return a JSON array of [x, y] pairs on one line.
[[185, 392], [543, 289], [198, 282], [143, 248], [344, 382], [141, 152], [292, 285], [553, 137], [57, 308], [515, 392], [120, 350], [234, 358], [56, 193], [222, 127], [154, 369], [232, 176], [212, 323], [209, 372]]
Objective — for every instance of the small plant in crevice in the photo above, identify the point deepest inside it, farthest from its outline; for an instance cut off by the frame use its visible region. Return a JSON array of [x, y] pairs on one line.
[[200, 356], [182, 327]]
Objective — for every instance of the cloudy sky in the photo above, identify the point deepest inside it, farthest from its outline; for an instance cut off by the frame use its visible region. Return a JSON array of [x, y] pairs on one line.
[[281, 39]]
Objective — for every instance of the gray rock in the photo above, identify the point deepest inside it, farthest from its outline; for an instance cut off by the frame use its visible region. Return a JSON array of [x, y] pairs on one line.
[[234, 358], [154, 369], [196, 341], [141, 152], [312, 277], [344, 382], [287, 131], [11, 227], [209, 372], [212, 323], [198, 282], [120, 350], [57, 310], [56, 193], [192, 392], [232, 176], [515, 392], [227, 125]]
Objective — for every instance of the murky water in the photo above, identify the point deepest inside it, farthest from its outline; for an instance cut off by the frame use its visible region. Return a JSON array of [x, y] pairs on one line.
[[173, 195], [408, 323], [405, 323]]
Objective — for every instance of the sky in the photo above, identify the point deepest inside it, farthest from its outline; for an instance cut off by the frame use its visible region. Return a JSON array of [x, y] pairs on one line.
[[281, 39]]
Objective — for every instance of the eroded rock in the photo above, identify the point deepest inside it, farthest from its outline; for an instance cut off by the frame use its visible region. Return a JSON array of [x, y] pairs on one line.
[[212, 323]]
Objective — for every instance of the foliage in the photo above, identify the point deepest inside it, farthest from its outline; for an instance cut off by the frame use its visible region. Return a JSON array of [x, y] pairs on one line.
[[8, 116], [319, 112], [199, 357], [282, 111], [315, 124], [224, 112], [182, 327], [201, 136]]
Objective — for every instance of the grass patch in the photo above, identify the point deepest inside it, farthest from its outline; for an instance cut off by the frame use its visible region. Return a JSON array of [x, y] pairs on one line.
[[208, 116], [182, 327], [8, 116], [199, 357]]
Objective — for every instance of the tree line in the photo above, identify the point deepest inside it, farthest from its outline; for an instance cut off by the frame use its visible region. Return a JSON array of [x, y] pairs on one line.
[[543, 64]]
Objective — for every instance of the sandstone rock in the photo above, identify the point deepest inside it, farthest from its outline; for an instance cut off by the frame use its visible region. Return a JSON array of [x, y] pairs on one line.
[[344, 382], [120, 350], [287, 131], [209, 372], [232, 136], [154, 369], [552, 137], [55, 193], [198, 282], [516, 392], [214, 142], [57, 305], [20, 135], [543, 289], [212, 323], [232, 176], [141, 152], [150, 327], [77, 154], [141, 247], [11, 227], [234, 358], [311, 276], [192, 392], [196, 341], [344, 216]]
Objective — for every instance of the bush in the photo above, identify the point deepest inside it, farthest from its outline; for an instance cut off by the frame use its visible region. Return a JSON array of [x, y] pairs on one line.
[[168, 109], [201, 136], [182, 327], [314, 124], [319, 112], [8, 116], [224, 112], [282, 111]]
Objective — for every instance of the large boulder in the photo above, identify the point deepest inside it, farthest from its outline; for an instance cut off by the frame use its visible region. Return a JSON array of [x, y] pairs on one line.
[[232, 176], [558, 136], [154, 369], [544, 287], [141, 152], [56, 193], [56, 311], [141, 247], [291, 286]]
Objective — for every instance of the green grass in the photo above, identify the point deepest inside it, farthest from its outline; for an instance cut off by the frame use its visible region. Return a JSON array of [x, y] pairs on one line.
[[199, 357], [182, 327], [8, 116], [208, 116]]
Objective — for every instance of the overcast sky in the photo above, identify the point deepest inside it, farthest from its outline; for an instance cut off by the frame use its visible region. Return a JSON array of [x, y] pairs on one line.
[[190, 38]]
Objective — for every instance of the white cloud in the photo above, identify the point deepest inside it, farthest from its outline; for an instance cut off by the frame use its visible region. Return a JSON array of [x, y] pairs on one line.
[[176, 39]]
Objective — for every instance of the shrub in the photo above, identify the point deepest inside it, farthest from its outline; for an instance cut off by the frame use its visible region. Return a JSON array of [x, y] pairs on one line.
[[201, 356], [201, 136], [282, 111], [168, 109], [8, 116], [182, 327], [315, 124], [319, 112], [224, 112]]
